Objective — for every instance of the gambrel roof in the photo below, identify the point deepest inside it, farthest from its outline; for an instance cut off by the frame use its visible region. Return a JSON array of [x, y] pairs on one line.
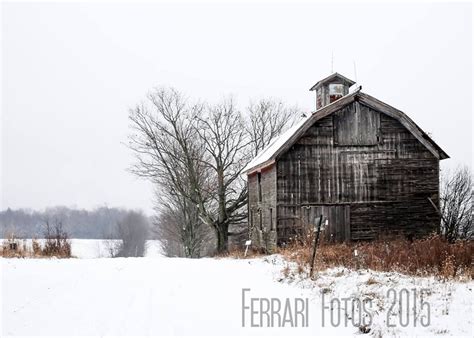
[[284, 142]]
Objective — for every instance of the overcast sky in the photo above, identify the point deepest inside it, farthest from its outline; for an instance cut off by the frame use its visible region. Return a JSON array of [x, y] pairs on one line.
[[70, 72]]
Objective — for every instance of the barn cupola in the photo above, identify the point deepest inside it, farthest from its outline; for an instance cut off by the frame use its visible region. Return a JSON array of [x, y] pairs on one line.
[[331, 89]]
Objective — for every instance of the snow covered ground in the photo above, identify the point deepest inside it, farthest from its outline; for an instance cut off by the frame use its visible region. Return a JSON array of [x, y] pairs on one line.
[[172, 296], [98, 248]]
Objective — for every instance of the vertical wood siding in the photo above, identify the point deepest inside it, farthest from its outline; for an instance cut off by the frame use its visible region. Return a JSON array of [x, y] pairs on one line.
[[376, 167]]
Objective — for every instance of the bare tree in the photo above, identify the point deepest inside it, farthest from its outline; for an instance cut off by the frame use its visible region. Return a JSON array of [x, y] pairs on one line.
[[222, 130], [457, 204], [179, 227], [170, 153], [195, 155], [268, 118], [133, 231]]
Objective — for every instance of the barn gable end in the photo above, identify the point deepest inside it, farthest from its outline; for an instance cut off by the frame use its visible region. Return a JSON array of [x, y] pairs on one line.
[[397, 172]]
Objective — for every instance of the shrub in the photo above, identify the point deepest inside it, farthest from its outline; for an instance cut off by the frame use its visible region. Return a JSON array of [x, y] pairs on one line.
[[56, 241], [133, 231], [14, 247], [56, 244], [432, 255], [36, 246]]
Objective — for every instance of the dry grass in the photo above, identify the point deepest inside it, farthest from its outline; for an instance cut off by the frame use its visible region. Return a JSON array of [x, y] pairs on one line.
[[236, 252], [58, 247], [19, 248], [372, 281], [14, 247], [428, 256]]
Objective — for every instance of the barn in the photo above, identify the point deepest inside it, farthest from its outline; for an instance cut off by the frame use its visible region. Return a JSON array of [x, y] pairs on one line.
[[361, 163]]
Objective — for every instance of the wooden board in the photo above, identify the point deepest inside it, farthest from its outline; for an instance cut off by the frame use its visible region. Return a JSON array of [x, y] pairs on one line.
[[338, 216]]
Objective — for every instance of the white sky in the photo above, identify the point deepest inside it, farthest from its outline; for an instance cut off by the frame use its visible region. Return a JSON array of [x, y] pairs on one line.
[[70, 72]]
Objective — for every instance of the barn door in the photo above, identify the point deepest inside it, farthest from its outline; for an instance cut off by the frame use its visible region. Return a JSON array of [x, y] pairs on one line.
[[338, 216]]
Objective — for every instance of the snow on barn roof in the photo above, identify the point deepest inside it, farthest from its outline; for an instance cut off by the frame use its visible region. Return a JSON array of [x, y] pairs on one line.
[[268, 155], [268, 152]]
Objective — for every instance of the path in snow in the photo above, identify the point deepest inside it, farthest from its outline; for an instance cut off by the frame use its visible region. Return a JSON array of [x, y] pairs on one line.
[[134, 296]]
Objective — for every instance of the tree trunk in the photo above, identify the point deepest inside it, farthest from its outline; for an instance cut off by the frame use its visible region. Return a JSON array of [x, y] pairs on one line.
[[222, 232]]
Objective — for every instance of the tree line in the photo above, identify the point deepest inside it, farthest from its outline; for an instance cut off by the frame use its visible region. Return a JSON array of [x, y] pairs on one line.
[[99, 223]]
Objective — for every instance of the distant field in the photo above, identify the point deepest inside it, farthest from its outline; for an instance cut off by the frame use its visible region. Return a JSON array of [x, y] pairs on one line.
[[99, 248]]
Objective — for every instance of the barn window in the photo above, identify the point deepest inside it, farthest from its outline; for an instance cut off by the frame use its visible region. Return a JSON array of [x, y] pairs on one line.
[[356, 125], [259, 183], [336, 91], [260, 219]]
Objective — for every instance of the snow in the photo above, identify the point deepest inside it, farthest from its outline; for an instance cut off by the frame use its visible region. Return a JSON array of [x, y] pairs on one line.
[[276, 144], [450, 302], [268, 152], [100, 248], [131, 296], [177, 296]]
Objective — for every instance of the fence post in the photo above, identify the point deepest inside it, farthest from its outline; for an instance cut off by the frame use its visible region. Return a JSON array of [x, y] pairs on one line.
[[316, 240]]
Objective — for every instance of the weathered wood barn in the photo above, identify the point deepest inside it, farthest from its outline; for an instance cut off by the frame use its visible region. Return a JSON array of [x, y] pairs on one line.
[[362, 164]]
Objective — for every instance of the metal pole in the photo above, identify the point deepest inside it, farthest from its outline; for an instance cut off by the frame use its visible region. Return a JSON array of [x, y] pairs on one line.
[[316, 240]]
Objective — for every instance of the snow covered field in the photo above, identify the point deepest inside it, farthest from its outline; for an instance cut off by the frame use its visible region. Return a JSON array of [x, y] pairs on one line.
[[171, 296], [98, 248]]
